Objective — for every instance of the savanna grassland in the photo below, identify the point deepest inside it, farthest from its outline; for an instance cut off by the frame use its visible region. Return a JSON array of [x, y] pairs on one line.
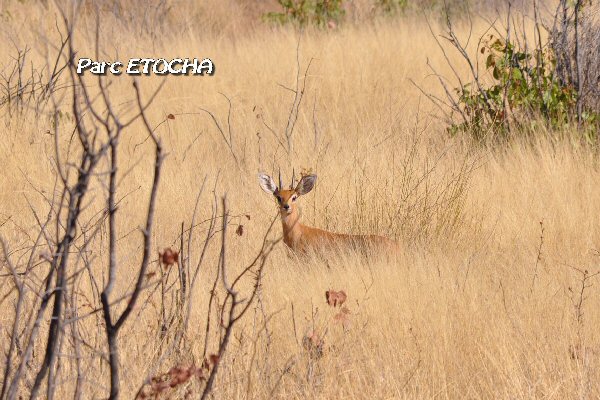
[[492, 296]]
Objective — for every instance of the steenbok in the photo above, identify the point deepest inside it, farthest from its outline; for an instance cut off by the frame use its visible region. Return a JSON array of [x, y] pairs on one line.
[[303, 239]]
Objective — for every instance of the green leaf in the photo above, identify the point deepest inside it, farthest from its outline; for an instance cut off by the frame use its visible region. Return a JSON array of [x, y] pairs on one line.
[[490, 61], [516, 74]]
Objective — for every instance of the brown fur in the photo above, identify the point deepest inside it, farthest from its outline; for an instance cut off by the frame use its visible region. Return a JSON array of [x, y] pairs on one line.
[[303, 239]]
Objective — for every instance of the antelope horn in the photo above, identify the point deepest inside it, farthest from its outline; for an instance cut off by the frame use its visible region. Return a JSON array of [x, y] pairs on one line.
[[280, 184], [293, 178]]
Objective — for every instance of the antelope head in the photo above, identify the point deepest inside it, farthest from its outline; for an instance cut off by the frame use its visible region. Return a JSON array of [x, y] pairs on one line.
[[286, 198]]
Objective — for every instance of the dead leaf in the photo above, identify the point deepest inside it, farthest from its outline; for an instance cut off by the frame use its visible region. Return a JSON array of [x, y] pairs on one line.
[[334, 298], [150, 275], [169, 257], [171, 116], [240, 230], [179, 375], [214, 359], [174, 377], [343, 317]]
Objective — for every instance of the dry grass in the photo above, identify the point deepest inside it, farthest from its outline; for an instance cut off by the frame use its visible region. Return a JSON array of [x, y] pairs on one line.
[[458, 315]]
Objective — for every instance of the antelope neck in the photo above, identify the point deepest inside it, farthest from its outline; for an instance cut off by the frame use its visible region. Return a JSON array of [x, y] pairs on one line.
[[291, 224]]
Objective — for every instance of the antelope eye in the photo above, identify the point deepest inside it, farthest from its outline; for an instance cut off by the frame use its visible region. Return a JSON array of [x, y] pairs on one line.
[[294, 198], [278, 199]]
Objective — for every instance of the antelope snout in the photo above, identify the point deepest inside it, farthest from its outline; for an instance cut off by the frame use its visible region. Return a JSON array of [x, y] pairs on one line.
[[286, 207]]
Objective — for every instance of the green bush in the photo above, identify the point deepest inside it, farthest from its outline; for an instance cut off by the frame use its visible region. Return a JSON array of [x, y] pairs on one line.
[[524, 85], [308, 12], [390, 7]]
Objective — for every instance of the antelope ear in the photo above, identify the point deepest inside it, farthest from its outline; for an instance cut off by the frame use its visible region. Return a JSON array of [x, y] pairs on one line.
[[306, 184], [266, 183]]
